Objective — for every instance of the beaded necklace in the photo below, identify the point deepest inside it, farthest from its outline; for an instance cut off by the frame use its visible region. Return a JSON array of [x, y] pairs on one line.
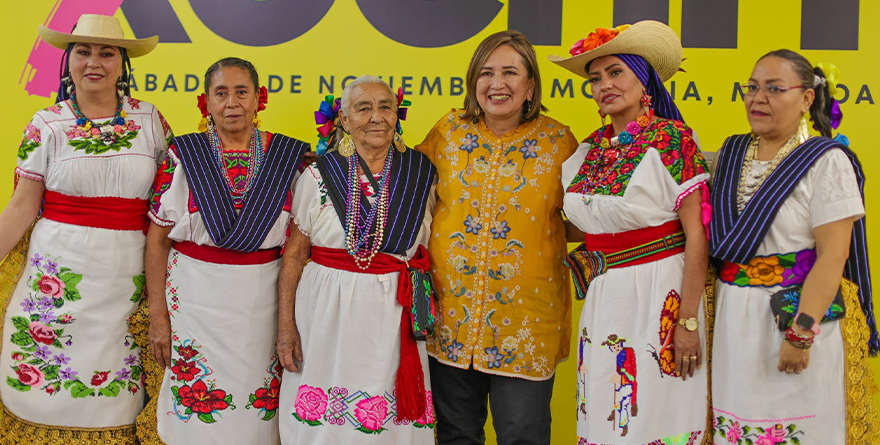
[[749, 182], [108, 135], [615, 148], [255, 150], [359, 242]]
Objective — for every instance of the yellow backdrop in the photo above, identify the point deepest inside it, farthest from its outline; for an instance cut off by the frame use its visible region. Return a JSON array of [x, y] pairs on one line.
[[345, 43]]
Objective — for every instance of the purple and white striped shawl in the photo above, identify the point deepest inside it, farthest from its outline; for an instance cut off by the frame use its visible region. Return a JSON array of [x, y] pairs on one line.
[[412, 175], [242, 232], [736, 237]]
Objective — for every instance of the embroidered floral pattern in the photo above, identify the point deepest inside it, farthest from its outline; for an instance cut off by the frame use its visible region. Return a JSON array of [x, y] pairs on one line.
[[681, 439], [265, 399], [162, 182], [201, 398], [494, 192], [607, 171], [40, 362], [30, 140], [788, 269], [171, 291], [166, 129], [368, 414], [54, 109], [88, 138], [736, 432], [140, 281], [665, 357]]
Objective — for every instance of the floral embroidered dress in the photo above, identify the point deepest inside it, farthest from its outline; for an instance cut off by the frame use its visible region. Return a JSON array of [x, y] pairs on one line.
[[628, 312], [222, 385], [67, 362], [349, 326], [753, 402], [497, 247]]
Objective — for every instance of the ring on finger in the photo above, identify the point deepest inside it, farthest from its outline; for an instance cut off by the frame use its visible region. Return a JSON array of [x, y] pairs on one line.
[[685, 359], [789, 370], [693, 357]]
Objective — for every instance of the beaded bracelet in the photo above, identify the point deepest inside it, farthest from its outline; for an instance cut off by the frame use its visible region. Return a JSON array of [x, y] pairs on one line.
[[797, 340]]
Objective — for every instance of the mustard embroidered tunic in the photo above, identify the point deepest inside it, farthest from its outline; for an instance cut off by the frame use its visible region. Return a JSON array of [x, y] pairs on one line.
[[497, 245]]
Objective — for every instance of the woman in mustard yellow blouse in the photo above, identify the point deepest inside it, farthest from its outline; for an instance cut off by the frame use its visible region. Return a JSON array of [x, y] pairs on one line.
[[497, 244]]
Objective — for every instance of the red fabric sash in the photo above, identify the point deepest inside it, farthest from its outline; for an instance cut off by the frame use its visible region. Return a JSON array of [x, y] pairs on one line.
[[219, 255], [104, 213], [410, 382], [611, 243]]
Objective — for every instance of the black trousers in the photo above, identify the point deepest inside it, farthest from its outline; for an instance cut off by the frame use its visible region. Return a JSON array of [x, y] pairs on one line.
[[520, 408]]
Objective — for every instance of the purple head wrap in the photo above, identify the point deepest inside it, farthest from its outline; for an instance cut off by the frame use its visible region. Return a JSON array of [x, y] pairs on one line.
[[662, 102]]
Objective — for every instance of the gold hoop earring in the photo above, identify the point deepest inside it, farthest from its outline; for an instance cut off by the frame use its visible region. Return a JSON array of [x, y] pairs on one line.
[[398, 143], [346, 145]]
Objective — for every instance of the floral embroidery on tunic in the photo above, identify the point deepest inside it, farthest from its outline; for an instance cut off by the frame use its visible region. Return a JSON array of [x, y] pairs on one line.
[[162, 183], [665, 357], [740, 433], [40, 360], [88, 138], [367, 414], [499, 201], [193, 393], [607, 171], [30, 140], [681, 439], [265, 399], [170, 289]]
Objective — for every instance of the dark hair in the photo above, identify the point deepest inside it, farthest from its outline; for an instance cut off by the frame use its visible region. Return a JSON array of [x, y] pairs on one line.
[[518, 42], [65, 72], [820, 110], [232, 62]]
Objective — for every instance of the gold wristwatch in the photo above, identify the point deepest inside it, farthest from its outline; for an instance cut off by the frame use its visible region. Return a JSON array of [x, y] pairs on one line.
[[691, 324]]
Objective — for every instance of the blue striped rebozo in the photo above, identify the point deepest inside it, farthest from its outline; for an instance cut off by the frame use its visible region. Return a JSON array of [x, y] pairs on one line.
[[736, 237], [243, 232], [412, 176]]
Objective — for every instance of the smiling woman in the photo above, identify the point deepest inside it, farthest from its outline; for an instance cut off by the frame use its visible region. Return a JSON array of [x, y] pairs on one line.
[[503, 321], [69, 371]]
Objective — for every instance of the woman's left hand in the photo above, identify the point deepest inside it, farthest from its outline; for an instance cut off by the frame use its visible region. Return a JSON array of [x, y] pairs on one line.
[[688, 353], [792, 360]]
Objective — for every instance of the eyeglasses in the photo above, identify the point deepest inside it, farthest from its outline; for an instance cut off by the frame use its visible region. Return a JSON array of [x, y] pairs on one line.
[[769, 90]]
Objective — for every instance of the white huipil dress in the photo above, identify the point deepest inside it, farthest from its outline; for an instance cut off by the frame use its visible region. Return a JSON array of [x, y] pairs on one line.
[[224, 322], [748, 392], [67, 358], [627, 302], [349, 325]]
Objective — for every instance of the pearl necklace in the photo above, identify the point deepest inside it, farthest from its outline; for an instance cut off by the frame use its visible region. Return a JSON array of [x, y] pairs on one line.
[[108, 135], [256, 160], [359, 242], [750, 182]]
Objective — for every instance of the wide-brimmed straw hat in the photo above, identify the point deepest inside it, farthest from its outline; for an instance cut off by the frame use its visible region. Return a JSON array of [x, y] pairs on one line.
[[99, 29], [654, 41]]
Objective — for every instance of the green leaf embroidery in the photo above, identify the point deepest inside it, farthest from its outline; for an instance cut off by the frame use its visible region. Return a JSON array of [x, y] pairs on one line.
[[111, 390], [34, 317], [18, 386], [80, 391], [252, 399], [26, 148], [22, 338], [21, 323], [139, 282], [51, 372], [207, 418], [270, 415]]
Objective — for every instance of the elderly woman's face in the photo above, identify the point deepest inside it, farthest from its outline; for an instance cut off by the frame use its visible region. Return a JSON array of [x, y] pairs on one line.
[[615, 87], [777, 114], [503, 84], [95, 68], [371, 117], [232, 100]]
